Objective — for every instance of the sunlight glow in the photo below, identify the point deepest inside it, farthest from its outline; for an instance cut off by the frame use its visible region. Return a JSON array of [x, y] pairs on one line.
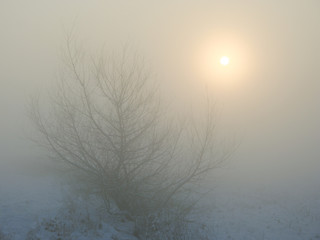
[[224, 60]]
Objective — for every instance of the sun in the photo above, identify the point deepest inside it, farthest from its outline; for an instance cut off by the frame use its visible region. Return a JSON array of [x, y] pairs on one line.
[[224, 60]]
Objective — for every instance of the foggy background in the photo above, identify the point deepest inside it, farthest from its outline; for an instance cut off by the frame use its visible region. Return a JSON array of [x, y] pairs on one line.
[[273, 109]]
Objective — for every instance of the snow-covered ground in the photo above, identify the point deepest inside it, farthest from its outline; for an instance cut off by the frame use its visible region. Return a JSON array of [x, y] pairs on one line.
[[33, 203], [243, 213], [233, 210], [25, 198]]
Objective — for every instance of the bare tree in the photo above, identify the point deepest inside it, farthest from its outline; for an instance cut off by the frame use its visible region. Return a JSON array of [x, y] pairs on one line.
[[107, 123]]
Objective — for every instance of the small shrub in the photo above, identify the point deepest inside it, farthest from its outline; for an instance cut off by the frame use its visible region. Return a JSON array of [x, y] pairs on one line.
[[73, 217], [168, 225]]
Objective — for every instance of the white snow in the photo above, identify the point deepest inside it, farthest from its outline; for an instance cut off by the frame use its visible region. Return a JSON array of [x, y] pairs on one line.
[[233, 210]]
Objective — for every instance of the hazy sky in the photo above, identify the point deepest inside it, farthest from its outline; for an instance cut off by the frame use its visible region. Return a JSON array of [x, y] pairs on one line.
[[272, 93]]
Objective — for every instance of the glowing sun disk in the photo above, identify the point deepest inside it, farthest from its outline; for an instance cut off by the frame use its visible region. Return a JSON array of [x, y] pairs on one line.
[[224, 60]]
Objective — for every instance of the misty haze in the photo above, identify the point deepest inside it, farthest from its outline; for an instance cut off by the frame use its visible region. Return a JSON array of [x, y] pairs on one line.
[[159, 120]]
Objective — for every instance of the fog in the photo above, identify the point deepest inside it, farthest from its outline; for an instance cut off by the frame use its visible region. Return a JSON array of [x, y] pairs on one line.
[[281, 40], [269, 105]]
